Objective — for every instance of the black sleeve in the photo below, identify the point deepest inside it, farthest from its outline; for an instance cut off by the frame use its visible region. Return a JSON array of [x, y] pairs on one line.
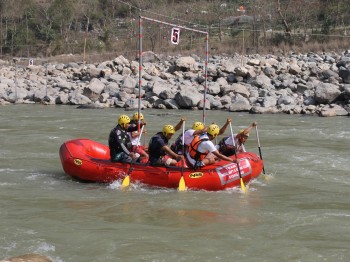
[[134, 128]]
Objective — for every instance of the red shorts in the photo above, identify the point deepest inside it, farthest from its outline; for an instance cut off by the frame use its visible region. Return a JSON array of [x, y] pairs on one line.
[[140, 150]]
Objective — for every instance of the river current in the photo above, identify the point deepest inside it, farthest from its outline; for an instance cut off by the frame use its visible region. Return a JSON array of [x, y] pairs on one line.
[[301, 213]]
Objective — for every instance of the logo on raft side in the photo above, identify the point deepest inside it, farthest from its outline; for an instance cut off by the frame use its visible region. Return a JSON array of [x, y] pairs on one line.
[[78, 162], [196, 175]]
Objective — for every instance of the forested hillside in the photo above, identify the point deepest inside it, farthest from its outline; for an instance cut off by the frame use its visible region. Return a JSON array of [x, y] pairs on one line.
[[30, 28]]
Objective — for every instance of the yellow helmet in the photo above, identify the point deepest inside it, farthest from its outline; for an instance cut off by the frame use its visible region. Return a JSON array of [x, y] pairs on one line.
[[135, 116], [198, 126], [168, 129], [123, 120], [213, 130]]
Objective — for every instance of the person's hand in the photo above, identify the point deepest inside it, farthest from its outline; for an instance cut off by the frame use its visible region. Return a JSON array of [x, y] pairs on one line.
[[183, 119], [228, 120], [254, 124], [179, 157], [134, 155], [234, 161]]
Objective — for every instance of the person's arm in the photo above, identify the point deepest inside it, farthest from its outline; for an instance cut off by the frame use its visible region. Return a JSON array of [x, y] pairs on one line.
[[247, 130], [122, 145], [172, 153], [135, 127], [179, 125], [223, 128], [134, 134], [221, 156]]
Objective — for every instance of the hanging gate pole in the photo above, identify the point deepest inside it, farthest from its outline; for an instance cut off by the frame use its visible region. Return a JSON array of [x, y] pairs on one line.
[[206, 54]]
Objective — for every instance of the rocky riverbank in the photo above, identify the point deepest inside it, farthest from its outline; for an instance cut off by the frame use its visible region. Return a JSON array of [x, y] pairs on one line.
[[311, 83]]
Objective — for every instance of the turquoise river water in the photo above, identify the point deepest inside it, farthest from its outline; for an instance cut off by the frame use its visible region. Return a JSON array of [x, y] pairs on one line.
[[302, 213]]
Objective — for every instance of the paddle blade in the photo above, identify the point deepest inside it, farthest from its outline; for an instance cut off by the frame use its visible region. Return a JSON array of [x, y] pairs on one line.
[[126, 182], [182, 184], [243, 186], [267, 177]]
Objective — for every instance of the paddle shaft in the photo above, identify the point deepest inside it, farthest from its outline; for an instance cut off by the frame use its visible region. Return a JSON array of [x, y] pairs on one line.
[[137, 145], [126, 180], [182, 183], [257, 136], [140, 134], [183, 147], [234, 145]]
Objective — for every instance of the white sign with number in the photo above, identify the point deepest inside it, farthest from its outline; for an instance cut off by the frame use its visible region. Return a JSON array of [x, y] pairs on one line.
[[30, 62], [175, 35]]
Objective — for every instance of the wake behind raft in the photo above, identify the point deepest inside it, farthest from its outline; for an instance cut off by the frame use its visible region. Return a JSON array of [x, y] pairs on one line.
[[88, 160]]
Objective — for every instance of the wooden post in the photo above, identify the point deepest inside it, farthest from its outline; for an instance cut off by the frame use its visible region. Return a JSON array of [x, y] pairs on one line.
[[86, 31], [242, 48]]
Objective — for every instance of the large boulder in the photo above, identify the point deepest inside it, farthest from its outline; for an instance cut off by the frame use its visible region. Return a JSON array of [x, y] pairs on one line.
[[121, 60], [333, 110], [188, 97], [214, 88], [240, 103], [285, 100], [149, 56], [129, 82], [186, 63], [326, 93], [261, 81], [79, 99], [161, 87], [171, 104], [345, 75], [269, 101], [94, 89], [112, 89], [241, 89], [227, 66]]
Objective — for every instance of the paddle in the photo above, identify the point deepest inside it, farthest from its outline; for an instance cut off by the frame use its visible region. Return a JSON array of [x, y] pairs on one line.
[[126, 180], [182, 184], [257, 136], [239, 169]]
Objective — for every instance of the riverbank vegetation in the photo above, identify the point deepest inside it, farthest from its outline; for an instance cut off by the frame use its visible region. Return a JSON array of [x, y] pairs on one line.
[[43, 28]]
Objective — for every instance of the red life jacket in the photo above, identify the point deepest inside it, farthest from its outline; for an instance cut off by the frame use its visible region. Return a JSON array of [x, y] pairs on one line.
[[193, 148]]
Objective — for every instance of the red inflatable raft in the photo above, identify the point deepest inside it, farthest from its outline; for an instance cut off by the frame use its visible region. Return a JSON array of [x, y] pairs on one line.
[[89, 161]]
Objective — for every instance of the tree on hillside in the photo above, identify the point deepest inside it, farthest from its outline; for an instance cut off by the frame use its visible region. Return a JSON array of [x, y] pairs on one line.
[[61, 13], [88, 14], [68, 25], [334, 14], [43, 21], [283, 11], [16, 17]]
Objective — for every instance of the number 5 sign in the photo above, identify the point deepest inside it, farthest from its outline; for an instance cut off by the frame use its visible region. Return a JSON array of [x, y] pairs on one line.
[[175, 35]]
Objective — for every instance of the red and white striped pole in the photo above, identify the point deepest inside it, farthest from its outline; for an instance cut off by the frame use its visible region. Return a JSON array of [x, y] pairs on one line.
[[140, 73], [206, 73], [206, 56]]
